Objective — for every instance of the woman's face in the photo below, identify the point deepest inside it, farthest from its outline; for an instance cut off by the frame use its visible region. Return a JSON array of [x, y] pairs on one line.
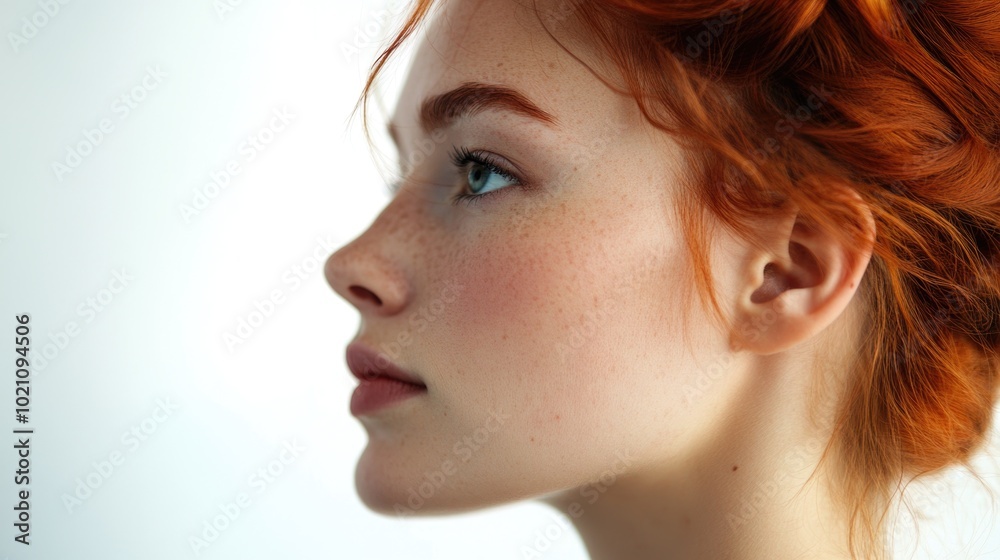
[[547, 321]]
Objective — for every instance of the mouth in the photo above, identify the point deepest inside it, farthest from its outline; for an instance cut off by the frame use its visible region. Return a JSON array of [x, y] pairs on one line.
[[382, 383]]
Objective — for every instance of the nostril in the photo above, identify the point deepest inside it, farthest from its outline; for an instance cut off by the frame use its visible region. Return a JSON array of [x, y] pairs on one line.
[[365, 293]]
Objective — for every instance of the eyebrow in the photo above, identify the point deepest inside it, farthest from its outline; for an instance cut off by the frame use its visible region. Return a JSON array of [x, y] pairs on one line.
[[469, 98]]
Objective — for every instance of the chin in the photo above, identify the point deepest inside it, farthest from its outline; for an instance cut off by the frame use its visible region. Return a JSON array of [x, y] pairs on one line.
[[399, 488], [379, 484], [402, 489]]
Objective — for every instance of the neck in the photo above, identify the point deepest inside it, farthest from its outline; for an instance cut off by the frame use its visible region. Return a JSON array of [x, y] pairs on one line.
[[753, 492]]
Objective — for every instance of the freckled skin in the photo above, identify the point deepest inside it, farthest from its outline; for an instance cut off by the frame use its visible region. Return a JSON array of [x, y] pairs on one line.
[[533, 263]]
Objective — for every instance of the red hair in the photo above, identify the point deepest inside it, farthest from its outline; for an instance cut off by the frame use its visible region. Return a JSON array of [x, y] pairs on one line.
[[897, 100]]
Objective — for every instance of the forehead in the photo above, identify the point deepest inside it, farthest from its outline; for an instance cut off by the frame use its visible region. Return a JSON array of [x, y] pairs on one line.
[[505, 42]]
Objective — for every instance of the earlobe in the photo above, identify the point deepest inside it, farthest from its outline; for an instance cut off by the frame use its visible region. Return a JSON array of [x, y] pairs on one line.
[[803, 279]]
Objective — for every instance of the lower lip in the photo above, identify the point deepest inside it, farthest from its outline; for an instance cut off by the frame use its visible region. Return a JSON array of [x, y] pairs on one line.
[[380, 392]]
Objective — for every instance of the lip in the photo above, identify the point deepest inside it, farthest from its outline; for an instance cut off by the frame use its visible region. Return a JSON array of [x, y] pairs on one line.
[[382, 383]]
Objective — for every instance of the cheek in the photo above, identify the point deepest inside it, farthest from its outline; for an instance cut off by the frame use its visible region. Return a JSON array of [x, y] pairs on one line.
[[542, 327]]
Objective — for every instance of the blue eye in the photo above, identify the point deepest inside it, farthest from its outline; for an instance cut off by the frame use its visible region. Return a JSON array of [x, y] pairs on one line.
[[483, 176], [483, 179]]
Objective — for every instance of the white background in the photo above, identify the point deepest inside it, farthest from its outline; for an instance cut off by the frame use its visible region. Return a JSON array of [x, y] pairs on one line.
[[160, 338]]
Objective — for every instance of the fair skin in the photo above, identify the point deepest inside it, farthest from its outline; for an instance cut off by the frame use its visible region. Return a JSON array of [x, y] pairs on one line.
[[576, 321]]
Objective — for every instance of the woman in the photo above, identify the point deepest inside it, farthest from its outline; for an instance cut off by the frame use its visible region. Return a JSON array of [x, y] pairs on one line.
[[713, 278]]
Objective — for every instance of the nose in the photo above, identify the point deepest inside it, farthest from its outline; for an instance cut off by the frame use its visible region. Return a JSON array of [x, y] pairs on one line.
[[366, 274]]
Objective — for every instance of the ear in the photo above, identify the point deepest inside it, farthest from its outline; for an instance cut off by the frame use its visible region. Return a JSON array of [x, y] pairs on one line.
[[800, 279]]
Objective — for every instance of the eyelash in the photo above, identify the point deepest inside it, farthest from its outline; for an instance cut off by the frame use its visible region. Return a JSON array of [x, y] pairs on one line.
[[462, 157]]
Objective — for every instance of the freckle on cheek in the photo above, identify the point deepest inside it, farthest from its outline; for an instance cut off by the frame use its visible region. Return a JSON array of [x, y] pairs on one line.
[[502, 291]]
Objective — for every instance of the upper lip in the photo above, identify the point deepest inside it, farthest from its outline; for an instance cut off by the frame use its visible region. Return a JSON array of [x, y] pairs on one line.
[[365, 364]]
